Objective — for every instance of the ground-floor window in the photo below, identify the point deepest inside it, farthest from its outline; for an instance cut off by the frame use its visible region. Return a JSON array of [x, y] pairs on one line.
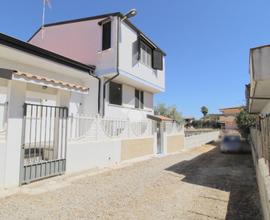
[[139, 99], [115, 93]]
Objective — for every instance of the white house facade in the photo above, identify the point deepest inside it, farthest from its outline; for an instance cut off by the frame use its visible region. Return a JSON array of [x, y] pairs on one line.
[[80, 97], [130, 66]]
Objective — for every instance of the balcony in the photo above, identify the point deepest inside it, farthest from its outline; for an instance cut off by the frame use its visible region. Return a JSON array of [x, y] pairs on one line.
[[259, 69]]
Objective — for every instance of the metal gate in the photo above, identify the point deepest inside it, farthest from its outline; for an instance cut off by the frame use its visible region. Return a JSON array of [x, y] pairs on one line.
[[44, 142]]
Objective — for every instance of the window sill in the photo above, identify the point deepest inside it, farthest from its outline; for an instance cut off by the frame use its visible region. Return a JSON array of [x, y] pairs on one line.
[[104, 51]]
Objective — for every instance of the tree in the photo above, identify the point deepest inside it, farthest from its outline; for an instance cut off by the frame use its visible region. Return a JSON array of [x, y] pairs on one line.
[[168, 111], [204, 110], [244, 121]]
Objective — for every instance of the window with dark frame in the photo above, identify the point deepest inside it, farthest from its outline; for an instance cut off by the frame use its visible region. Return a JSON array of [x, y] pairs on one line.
[[106, 35], [115, 93], [139, 99], [145, 54], [149, 56]]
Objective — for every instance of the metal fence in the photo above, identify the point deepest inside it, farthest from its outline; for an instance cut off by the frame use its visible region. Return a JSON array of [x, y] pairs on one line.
[[98, 128], [173, 127], [3, 121], [260, 137]]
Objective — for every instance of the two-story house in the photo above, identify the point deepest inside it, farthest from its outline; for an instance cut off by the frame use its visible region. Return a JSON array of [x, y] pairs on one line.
[[130, 67]]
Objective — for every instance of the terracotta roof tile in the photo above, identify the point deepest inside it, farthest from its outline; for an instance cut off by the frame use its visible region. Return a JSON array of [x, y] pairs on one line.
[[30, 76]]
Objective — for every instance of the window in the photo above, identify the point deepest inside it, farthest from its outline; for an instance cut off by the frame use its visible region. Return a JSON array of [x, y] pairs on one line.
[[139, 99], [115, 93], [142, 100], [106, 35], [146, 54], [150, 57]]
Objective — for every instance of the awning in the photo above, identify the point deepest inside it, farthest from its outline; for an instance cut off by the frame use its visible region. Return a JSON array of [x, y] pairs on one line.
[[159, 118], [44, 81]]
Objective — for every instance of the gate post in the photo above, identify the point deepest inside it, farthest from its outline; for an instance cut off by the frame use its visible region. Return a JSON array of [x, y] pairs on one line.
[[16, 98], [63, 99]]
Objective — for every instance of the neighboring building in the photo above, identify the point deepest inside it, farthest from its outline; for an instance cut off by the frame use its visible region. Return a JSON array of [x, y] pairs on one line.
[[258, 103], [227, 119], [130, 65], [212, 117]]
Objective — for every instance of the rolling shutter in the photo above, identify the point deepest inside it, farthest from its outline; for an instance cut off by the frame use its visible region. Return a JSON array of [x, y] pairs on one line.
[[139, 47], [157, 60]]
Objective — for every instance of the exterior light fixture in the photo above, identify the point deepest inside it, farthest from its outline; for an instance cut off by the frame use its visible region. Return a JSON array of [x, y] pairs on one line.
[[130, 14]]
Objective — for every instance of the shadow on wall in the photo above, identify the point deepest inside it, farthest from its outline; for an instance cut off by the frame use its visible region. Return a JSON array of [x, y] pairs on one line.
[[233, 173]]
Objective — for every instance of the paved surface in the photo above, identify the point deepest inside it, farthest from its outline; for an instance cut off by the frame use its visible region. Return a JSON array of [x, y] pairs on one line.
[[197, 184]]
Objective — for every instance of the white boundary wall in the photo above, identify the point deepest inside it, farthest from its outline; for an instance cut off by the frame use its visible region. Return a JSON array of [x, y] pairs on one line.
[[95, 142], [201, 139], [95, 154]]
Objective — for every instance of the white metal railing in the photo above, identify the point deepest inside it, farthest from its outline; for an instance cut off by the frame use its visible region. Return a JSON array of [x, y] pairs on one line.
[[98, 128], [3, 116], [3, 120], [173, 128]]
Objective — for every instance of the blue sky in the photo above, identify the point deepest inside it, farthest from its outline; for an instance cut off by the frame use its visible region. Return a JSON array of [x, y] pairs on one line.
[[207, 41]]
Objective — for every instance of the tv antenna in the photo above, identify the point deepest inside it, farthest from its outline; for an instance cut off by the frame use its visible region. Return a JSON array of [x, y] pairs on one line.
[[46, 3]]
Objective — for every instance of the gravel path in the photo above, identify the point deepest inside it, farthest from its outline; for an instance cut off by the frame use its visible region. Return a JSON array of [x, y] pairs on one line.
[[197, 184]]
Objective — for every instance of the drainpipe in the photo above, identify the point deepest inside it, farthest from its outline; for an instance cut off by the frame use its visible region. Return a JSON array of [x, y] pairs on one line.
[[117, 65], [99, 85]]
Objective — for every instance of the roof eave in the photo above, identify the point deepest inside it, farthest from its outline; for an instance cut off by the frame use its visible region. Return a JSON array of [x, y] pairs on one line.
[[32, 49]]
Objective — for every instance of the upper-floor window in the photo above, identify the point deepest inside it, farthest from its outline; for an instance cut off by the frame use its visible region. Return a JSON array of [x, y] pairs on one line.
[[150, 56], [115, 93], [139, 99], [146, 54], [106, 35]]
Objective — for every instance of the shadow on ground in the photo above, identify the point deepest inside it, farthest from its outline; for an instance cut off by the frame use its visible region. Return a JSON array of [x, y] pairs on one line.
[[233, 173]]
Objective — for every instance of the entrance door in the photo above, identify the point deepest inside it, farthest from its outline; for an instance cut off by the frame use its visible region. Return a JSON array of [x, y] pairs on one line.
[[44, 142], [159, 138]]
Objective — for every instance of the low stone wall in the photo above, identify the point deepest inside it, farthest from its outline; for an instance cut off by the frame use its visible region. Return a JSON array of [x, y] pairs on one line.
[[175, 143], [201, 139], [133, 148]]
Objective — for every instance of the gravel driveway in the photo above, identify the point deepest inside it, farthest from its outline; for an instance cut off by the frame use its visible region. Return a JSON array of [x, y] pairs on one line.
[[196, 184]]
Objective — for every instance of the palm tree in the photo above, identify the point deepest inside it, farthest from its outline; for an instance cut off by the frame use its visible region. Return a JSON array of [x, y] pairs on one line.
[[204, 110]]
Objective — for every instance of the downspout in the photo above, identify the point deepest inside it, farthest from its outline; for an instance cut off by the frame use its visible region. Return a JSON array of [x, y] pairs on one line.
[[99, 85], [117, 66]]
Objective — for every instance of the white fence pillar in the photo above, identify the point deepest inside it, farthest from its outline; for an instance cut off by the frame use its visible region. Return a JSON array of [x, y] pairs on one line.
[[63, 99], [16, 99]]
